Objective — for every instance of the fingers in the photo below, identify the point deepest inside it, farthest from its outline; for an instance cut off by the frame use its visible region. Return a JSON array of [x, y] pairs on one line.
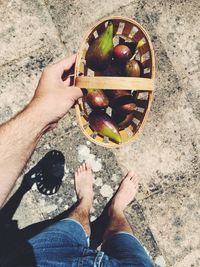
[[67, 81], [62, 68], [74, 92], [66, 63]]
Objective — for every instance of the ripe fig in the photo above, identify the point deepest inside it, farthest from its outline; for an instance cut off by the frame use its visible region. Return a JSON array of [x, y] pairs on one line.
[[99, 52], [102, 123], [96, 99], [131, 45], [122, 53], [114, 69], [124, 104], [114, 94], [133, 68], [122, 120]]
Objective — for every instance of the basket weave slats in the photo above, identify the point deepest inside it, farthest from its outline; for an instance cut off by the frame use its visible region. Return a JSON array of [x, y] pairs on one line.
[[143, 87], [127, 28], [115, 26], [141, 103], [147, 64], [138, 36]]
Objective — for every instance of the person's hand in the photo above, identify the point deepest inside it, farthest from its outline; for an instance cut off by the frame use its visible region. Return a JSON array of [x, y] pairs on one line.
[[53, 96]]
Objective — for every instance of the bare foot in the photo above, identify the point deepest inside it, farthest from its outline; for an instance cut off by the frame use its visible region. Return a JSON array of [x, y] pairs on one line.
[[126, 192], [83, 185]]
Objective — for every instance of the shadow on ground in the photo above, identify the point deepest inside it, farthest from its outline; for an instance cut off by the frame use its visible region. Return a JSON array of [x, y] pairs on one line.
[[47, 175]]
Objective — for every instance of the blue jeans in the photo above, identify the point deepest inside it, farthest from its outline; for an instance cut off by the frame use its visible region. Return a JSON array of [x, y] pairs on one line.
[[65, 244]]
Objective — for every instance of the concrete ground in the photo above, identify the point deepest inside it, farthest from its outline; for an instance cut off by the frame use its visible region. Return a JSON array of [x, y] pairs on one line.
[[166, 154]]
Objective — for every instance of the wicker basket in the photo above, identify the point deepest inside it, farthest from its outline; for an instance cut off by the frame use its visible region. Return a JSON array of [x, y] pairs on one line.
[[141, 87]]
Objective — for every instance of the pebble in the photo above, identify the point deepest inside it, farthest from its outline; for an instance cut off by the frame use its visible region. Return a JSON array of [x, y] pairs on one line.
[[160, 261], [106, 191]]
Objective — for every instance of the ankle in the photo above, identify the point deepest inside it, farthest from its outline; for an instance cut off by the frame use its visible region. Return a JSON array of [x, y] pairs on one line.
[[84, 205], [115, 210]]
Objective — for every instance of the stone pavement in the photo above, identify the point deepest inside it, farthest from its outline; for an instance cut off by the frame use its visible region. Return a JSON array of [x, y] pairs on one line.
[[166, 154]]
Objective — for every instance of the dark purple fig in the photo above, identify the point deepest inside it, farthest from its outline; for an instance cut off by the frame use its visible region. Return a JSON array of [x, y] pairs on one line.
[[99, 52], [96, 99], [131, 45], [124, 104], [122, 53], [102, 123], [122, 120], [133, 68], [114, 70], [114, 94]]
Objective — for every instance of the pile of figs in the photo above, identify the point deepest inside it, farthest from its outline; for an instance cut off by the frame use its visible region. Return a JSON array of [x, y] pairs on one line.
[[104, 58]]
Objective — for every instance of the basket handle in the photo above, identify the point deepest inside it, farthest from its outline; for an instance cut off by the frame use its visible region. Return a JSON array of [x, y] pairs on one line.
[[122, 83]]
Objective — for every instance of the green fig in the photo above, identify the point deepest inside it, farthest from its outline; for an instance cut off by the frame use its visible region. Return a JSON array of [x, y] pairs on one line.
[[122, 53], [124, 104], [122, 120], [99, 52], [97, 99], [133, 68], [102, 123]]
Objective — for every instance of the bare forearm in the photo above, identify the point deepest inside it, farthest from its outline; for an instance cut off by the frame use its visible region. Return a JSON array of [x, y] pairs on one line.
[[18, 138]]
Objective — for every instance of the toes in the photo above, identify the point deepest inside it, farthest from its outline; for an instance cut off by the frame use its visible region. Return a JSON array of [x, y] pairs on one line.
[[84, 166], [135, 179], [81, 167], [129, 175], [88, 167], [79, 170]]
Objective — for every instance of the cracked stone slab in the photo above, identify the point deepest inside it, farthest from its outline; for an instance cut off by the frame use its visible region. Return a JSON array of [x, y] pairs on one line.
[[167, 150], [74, 18], [178, 29], [21, 206], [174, 221], [27, 212], [25, 26], [19, 79], [142, 230]]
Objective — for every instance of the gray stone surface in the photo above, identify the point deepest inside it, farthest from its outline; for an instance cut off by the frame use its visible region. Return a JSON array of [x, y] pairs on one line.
[[174, 221], [19, 79], [78, 16], [166, 154], [142, 230], [27, 213], [24, 27]]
